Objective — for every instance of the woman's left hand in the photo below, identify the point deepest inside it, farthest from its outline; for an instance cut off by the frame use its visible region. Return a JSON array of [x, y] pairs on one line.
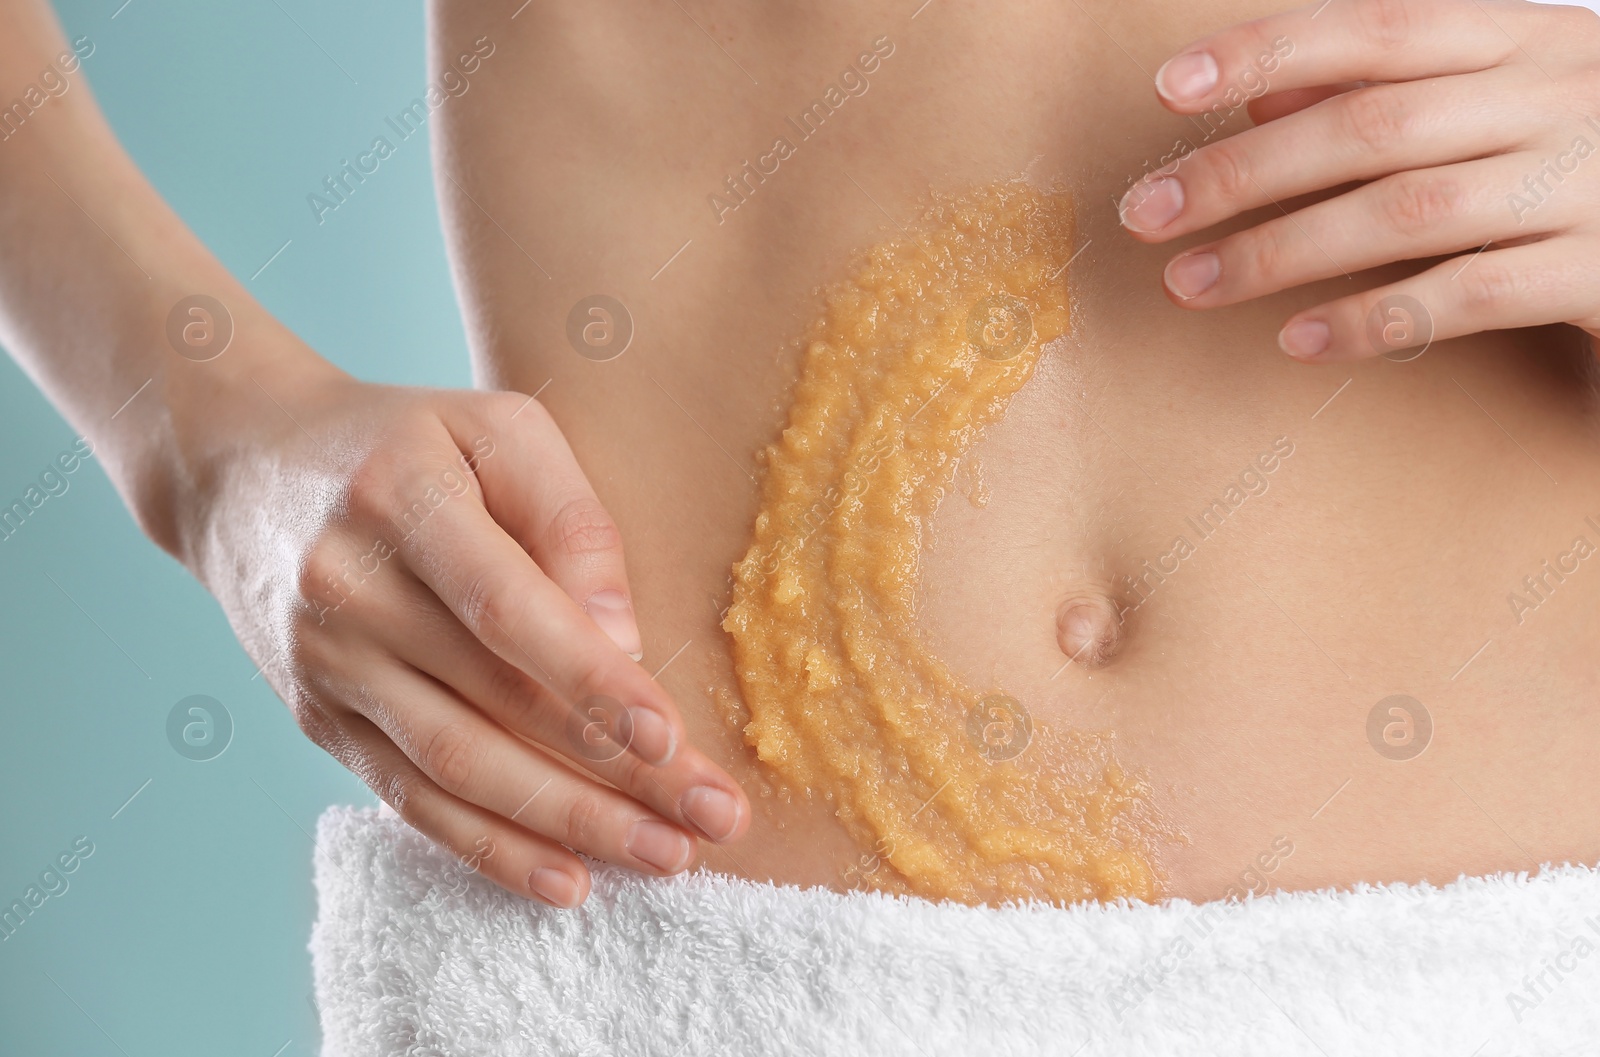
[[1474, 126]]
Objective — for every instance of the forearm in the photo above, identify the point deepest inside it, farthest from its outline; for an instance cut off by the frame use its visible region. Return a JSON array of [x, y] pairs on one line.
[[94, 263]]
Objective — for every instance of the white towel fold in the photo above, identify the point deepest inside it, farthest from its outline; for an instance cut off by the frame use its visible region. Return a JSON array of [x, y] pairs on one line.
[[416, 956]]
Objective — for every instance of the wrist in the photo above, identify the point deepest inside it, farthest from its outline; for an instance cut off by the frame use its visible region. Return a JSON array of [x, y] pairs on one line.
[[213, 412]]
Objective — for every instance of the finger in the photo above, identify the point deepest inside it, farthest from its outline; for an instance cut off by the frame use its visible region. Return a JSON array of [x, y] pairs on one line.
[[505, 600], [690, 789], [507, 603], [1525, 286], [1404, 217], [1358, 135], [534, 488], [513, 858], [492, 586], [478, 761], [1332, 41], [1282, 104]]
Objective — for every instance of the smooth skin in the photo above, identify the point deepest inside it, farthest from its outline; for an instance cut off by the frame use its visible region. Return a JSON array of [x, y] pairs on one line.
[[1470, 147], [463, 663], [425, 576]]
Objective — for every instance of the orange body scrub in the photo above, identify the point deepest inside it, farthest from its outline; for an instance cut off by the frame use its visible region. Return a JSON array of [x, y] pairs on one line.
[[955, 792]]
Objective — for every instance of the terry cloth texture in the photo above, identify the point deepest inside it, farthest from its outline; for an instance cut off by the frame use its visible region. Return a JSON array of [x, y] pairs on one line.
[[415, 955]]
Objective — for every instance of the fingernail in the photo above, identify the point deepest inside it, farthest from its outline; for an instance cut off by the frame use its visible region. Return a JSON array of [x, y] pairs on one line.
[[555, 887], [1192, 274], [711, 811], [611, 611], [658, 844], [1185, 78], [652, 736], [1151, 204], [1305, 338]]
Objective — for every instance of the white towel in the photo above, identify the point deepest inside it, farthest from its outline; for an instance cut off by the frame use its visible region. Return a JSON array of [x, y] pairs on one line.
[[414, 955]]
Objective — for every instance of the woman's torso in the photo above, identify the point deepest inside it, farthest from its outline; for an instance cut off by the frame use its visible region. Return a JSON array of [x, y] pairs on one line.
[[592, 154]]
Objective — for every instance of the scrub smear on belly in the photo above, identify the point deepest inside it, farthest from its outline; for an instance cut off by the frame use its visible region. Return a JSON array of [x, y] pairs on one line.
[[947, 787]]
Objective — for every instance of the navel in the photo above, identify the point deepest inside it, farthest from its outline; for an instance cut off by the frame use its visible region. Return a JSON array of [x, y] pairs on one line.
[[1088, 627], [953, 791]]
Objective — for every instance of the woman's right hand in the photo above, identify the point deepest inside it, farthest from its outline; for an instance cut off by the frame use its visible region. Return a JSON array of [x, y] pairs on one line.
[[430, 583], [425, 576]]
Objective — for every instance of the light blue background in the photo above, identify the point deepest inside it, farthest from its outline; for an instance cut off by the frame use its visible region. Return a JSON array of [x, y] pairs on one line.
[[185, 932]]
